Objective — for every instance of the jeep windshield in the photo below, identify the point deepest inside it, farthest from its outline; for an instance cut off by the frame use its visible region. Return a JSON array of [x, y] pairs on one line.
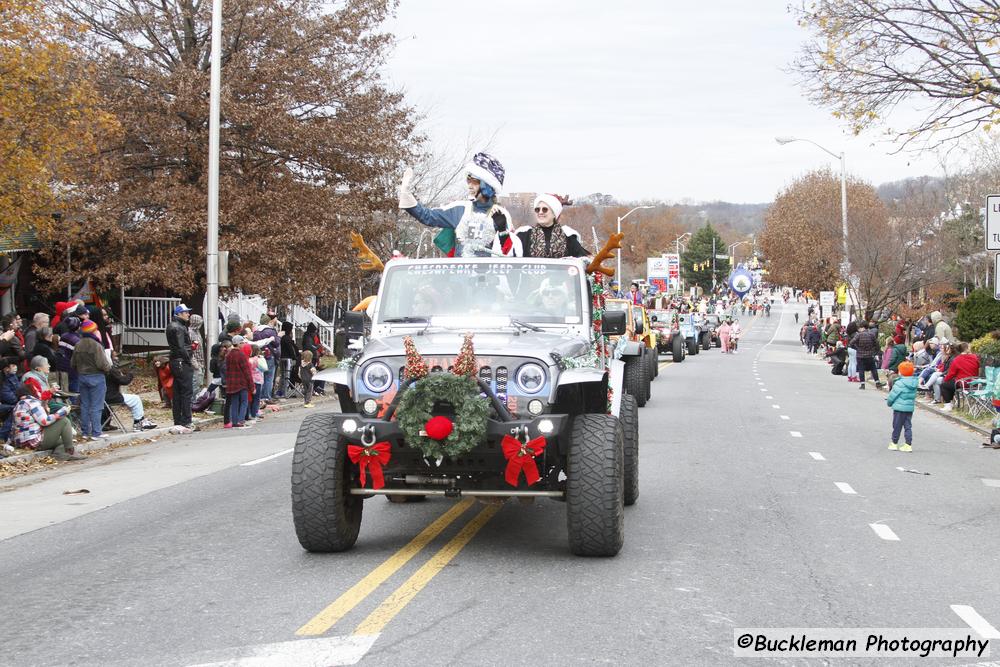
[[464, 293]]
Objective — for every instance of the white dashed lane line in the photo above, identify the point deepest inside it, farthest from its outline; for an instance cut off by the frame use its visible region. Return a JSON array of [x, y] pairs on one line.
[[845, 488], [775, 406], [817, 456], [268, 458], [885, 532], [995, 483], [795, 434], [785, 417], [975, 621], [770, 398]]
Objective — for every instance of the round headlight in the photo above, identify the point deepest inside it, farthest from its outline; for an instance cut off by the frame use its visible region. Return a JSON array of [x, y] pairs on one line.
[[377, 377], [530, 378]]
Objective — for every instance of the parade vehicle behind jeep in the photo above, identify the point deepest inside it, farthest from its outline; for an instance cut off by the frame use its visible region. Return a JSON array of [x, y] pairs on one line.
[[690, 326], [638, 358], [669, 339], [481, 377], [644, 333]]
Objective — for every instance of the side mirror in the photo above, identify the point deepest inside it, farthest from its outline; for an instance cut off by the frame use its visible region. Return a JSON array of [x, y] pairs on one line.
[[613, 323], [653, 319], [354, 324], [638, 328]]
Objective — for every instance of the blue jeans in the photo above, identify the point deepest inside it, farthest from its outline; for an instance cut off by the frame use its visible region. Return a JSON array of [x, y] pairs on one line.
[[265, 392], [902, 421], [92, 391], [237, 407], [255, 403]]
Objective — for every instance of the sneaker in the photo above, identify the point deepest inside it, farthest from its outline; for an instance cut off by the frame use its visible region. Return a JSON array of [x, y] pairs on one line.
[[879, 385], [252, 421], [308, 405], [227, 426], [946, 407], [905, 448], [102, 436], [180, 430], [143, 425], [244, 425], [893, 446], [861, 386], [69, 455]]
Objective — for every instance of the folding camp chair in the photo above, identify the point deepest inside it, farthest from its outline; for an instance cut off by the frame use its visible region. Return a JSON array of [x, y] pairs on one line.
[[976, 394]]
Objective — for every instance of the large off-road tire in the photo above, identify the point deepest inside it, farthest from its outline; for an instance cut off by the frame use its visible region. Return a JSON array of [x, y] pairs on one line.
[[653, 359], [677, 348], [595, 486], [692, 346], [706, 341], [634, 381], [326, 516], [628, 415]]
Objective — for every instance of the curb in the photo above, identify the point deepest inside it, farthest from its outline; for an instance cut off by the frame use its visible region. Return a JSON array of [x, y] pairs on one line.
[[92, 446]]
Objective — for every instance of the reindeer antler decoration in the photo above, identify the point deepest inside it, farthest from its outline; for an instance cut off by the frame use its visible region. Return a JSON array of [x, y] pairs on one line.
[[367, 259], [607, 252]]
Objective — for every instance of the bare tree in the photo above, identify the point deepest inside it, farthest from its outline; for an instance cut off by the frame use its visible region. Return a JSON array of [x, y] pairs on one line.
[[866, 57]]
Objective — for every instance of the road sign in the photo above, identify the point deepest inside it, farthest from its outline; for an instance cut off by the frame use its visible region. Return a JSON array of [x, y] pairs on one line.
[[826, 298], [996, 283], [993, 222]]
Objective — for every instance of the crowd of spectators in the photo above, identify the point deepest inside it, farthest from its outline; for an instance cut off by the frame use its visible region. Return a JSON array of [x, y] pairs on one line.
[[858, 350], [60, 377]]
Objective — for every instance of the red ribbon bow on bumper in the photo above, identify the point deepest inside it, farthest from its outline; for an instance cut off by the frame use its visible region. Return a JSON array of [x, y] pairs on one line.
[[521, 458], [373, 457]]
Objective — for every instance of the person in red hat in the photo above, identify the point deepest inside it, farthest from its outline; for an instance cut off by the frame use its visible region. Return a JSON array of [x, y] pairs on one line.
[[35, 428]]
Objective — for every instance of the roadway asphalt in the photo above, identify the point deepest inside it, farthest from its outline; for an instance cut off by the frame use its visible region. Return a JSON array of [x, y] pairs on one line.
[[762, 477]]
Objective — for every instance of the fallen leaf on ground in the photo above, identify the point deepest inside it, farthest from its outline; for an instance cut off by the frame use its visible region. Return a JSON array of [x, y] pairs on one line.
[[78, 492]]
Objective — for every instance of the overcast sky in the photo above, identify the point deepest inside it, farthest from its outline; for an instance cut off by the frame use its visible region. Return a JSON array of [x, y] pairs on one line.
[[636, 98]]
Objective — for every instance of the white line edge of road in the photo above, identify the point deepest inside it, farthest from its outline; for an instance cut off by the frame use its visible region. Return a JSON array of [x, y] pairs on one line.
[[975, 621], [817, 456], [322, 652], [795, 434], [268, 458], [885, 532], [846, 488]]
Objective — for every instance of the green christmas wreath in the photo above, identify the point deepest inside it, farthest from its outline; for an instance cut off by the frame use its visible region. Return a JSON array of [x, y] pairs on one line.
[[471, 412]]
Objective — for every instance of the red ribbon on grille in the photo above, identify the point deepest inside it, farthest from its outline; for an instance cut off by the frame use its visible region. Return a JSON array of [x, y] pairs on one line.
[[521, 458], [373, 457]]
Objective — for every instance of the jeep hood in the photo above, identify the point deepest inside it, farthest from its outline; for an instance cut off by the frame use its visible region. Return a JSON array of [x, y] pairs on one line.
[[535, 344]]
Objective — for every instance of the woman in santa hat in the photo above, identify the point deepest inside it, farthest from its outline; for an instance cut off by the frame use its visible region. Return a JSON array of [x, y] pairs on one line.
[[548, 238]]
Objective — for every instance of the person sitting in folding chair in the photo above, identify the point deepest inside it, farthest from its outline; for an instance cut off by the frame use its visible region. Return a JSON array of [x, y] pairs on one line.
[[117, 378]]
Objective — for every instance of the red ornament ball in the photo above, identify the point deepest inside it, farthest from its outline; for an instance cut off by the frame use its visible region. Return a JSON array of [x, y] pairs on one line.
[[438, 428]]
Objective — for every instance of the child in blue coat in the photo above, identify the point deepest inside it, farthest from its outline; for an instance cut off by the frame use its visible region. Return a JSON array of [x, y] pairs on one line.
[[902, 399]]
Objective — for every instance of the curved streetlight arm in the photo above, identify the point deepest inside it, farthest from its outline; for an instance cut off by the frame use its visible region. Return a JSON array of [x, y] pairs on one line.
[[618, 270], [788, 140]]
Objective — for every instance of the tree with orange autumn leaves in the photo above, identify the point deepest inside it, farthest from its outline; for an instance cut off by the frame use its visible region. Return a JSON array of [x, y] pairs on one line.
[[312, 140], [50, 115]]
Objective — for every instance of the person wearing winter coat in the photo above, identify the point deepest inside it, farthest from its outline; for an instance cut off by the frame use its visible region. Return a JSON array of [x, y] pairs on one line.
[[475, 227], [941, 328], [310, 341], [66, 376], [266, 337], [548, 238], [866, 344], [902, 399], [117, 377], [963, 367], [899, 353], [238, 384], [290, 356], [91, 363], [35, 428], [813, 338], [8, 399], [197, 353]]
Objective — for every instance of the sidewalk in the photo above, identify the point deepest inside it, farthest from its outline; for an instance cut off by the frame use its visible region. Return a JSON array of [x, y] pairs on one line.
[[119, 439]]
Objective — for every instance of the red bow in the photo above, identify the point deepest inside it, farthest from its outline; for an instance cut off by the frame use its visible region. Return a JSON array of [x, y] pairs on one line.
[[521, 457], [373, 457]]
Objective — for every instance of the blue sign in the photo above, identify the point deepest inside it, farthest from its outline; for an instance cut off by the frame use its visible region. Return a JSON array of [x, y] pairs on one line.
[[740, 281]]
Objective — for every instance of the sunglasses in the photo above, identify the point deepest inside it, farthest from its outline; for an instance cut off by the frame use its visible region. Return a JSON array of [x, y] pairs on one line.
[[541, 209]]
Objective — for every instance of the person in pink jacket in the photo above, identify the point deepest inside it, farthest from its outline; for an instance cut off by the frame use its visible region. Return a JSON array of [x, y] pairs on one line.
[[725, 331]]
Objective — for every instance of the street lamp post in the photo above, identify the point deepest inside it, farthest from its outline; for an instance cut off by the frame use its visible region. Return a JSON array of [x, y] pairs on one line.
[[846, 267], [618, 270], [212, 251], [732, 252], [677, 246]]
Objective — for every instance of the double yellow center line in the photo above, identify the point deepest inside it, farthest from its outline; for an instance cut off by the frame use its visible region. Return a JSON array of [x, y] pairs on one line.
[[395, 603]]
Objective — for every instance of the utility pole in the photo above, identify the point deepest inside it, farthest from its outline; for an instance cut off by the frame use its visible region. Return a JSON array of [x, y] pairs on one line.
[[212, 251], [713, 264]]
